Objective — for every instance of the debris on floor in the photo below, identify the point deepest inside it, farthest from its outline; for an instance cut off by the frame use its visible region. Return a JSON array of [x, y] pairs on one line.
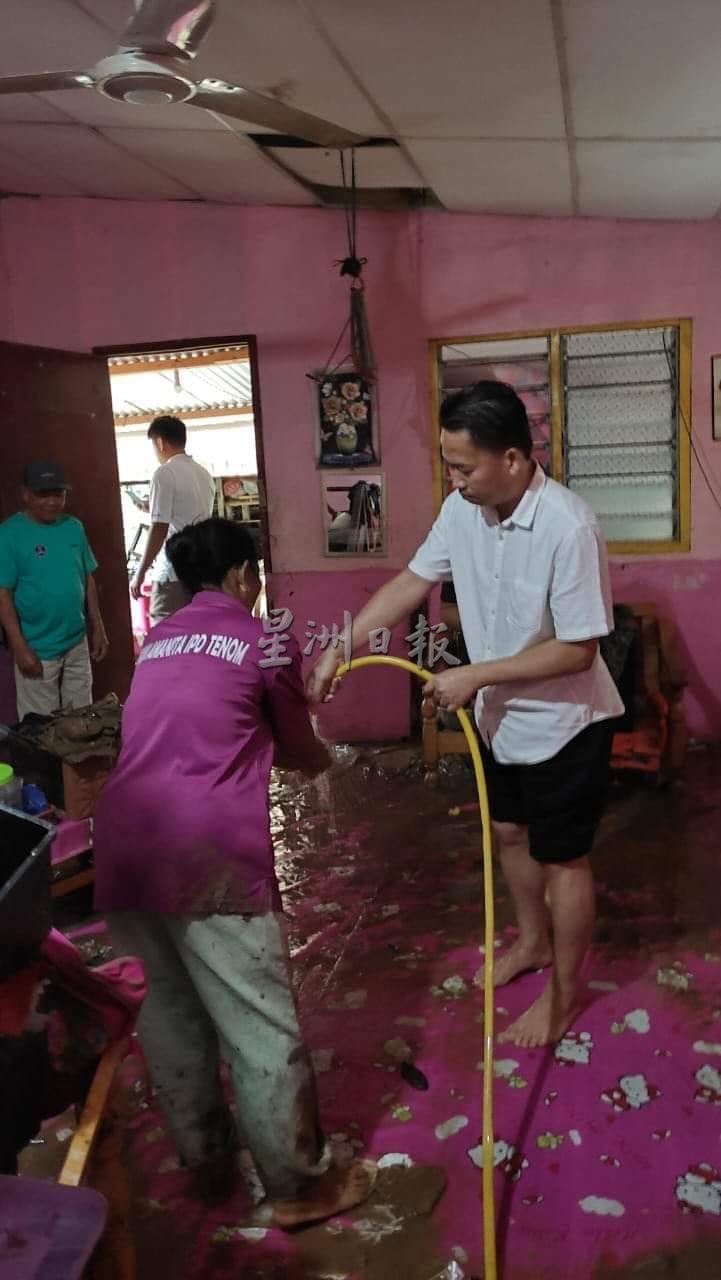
[[607, 1156]]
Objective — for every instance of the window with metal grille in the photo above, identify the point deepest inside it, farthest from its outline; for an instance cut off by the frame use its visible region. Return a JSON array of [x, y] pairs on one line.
[[609, 410]]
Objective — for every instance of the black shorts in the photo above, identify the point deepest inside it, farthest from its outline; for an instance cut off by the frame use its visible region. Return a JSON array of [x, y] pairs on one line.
[[560, 800]]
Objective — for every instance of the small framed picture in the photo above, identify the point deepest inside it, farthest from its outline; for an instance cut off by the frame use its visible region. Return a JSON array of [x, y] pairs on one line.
[[716, 396], [346, 409], [354, 517]]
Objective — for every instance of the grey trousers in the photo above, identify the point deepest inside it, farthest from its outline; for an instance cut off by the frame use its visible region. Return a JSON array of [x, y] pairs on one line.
[[221, 986], [165, 599], [66, 682]]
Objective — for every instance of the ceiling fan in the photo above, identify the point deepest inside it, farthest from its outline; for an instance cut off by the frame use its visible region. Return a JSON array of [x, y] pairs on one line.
[[149, 69]]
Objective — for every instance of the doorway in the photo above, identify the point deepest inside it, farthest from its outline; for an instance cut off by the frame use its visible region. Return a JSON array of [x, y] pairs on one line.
[[57, 406], [212, 387]]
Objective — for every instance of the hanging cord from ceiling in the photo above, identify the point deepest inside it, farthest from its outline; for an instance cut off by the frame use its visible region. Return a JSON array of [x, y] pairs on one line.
[[361, 355]]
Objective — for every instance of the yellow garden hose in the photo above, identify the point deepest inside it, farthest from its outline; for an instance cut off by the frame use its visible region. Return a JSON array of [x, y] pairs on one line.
[[489, 1216]]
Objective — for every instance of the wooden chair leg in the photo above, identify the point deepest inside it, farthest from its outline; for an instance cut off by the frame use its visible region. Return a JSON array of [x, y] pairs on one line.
[[96, 1157], [114, 1257], [431, 750], [677, 735]]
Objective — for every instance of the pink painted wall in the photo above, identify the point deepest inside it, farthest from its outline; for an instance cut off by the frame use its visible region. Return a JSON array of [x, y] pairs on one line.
[[85, 273]]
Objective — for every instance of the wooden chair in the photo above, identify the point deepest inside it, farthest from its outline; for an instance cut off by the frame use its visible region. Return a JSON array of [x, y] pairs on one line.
[[95, 1157], [441, 734], [71, 857], [654, 743]]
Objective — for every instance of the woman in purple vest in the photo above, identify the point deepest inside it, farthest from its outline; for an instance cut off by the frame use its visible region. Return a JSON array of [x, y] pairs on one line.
[[185, 871]]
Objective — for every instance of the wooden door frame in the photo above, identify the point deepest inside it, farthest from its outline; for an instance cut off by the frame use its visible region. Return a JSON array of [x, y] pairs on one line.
[[59, 405], [191, 344]]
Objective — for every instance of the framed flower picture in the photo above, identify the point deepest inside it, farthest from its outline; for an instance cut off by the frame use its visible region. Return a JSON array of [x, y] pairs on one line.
[[345, 402]]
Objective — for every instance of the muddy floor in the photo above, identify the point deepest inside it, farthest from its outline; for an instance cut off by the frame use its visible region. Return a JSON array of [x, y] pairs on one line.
[[608, 1148]]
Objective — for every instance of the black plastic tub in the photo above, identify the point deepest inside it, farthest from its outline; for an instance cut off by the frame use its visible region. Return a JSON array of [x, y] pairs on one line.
[[25, 898]]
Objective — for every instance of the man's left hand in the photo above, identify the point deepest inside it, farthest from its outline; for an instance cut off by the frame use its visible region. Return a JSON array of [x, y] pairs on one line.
[[453, 688], [98, 644]]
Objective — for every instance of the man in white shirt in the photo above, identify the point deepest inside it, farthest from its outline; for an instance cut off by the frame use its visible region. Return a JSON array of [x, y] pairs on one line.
[[181, 493], [530, 572]]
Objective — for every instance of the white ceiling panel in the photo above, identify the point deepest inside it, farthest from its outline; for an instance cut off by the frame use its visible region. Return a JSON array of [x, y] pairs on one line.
[[89, 161], [113, 15], [248, 44], [375, 166], [273, 46], [471, 87], [30, 108], [461, 69], [649, 179], [52, 35], [644, 68], [217, 166], [497, 177], [18, 177], [90, 107]]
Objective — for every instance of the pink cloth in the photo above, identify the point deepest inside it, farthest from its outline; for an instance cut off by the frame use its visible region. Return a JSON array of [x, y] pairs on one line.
[[115, 991], [183, 826], [72, 837]]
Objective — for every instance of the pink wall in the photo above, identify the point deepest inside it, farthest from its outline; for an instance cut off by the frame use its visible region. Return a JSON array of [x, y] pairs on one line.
[[85, 273]]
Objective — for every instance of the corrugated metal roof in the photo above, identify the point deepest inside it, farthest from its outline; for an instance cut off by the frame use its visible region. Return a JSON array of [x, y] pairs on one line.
[[180, 389]]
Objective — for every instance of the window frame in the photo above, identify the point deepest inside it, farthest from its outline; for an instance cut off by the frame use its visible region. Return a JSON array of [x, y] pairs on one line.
[[554, 336]]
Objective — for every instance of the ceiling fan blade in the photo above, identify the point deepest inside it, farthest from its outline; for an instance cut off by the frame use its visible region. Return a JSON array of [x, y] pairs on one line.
[[176, 27], [46, 82], [269, 113]]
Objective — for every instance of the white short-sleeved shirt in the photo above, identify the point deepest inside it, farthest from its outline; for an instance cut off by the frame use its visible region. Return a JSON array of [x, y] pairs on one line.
[[539, 575], [181, 493]]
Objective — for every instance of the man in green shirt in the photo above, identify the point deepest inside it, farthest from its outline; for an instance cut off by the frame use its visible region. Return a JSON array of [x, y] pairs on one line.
[[49, 606]]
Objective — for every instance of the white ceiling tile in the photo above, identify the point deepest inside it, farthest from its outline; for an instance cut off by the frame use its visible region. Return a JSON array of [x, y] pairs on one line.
[[51, 35], [273, 46], [644, 68], [57, 35], [649, 179], [217, 166], [462, 82], [114, 15], [375, 166], [30, 108], [248, 44], [496, 177], [21, 178], [461, 69], [89, 161]]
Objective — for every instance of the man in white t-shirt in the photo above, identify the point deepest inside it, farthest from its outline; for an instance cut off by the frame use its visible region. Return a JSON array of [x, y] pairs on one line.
[[181, 493], [529, 568]]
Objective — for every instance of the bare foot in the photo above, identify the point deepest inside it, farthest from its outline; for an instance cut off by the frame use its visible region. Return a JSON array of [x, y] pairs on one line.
[[335, 1192], [520, 959], [544, 1023]]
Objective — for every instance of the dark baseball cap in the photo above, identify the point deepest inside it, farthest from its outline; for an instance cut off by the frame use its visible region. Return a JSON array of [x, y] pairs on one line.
[[40, 476]]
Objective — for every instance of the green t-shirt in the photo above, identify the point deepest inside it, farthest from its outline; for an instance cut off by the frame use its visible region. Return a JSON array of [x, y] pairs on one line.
[[46, 567]]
